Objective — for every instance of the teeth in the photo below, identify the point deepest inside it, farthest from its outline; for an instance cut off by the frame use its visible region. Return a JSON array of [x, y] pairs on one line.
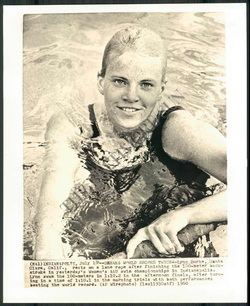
[[128, 109]]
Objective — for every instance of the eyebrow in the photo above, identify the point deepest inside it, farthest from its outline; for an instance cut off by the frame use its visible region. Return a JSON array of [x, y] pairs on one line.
[[148, 80], [125, 79], [119, 77]]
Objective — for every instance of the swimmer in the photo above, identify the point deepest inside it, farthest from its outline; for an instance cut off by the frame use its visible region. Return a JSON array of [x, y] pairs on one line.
[[118, 137]]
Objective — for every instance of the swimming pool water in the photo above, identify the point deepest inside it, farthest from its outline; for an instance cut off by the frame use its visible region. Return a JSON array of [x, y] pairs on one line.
[[62, 54]]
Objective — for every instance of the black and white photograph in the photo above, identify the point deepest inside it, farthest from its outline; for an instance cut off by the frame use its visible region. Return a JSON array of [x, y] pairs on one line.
[[125, 153], [124, 135]]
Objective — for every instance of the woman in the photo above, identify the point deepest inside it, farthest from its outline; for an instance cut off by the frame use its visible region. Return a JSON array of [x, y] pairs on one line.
[[91, 166]]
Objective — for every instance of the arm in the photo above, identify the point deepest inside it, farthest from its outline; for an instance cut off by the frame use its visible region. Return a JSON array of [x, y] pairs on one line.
[[60, 164], [188, 139], [185, 138]]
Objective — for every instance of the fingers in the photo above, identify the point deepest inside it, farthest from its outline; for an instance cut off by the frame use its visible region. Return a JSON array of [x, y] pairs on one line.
[[146, 233], [135, 241], [176, 243], [164, 243], [153, 237], [167, 244], [170, 243]]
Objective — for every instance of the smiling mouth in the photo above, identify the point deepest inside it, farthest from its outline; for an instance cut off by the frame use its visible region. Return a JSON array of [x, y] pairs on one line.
[[129, 109]]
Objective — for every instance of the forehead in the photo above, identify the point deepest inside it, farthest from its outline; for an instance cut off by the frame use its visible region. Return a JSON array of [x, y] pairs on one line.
[[134, 63]]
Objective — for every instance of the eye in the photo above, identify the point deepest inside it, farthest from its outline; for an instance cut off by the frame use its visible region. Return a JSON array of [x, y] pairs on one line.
[[119, 82], [146, 85]]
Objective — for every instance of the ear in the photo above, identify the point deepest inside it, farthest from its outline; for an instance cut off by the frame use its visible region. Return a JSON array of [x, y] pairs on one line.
[[163, 85], [161, 90], [100, 84]]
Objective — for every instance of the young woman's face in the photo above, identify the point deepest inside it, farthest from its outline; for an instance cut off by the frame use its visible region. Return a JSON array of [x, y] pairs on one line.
[[131, 87]]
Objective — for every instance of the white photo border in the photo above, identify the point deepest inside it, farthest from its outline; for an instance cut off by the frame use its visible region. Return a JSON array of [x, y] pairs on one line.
[[232, 288]]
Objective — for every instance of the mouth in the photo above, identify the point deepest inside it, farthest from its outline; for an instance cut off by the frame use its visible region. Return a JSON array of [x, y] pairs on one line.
[[129, 109]]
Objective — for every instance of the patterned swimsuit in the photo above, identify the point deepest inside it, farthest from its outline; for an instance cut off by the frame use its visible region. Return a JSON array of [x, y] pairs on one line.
[[130, 186]]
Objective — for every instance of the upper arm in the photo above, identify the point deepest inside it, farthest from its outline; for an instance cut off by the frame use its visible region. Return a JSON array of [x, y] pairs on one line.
[[60, 160], [186, 138], [59, 128], [59, 154]]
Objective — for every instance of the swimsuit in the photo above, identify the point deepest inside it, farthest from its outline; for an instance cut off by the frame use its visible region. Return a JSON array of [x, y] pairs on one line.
[[130, 186]]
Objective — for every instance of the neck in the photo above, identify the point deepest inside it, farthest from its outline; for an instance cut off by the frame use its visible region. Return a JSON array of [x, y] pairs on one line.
[[136, 136]]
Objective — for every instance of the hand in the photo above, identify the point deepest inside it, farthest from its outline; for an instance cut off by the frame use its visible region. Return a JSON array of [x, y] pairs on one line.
[[162, 233]]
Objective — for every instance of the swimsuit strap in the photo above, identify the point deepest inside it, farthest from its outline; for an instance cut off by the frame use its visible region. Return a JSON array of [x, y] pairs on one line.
[[94, 124], [156, 139], [93, 121], [183, 171], [157, 133], [170, 110]]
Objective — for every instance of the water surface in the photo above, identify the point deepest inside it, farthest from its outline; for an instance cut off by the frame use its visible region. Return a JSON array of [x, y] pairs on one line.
[[62, 54]]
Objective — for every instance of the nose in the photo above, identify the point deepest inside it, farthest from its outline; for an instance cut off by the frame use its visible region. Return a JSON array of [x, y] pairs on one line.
[[131, 94]]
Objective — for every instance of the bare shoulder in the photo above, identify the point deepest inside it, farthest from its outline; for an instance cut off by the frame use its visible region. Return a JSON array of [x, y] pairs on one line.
[[61, 128], [60, 157], [63, 138], [175, 129], [186, 138]]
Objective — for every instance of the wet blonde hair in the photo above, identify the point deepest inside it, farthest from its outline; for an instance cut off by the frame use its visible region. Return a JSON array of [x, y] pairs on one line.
[[135, 38]]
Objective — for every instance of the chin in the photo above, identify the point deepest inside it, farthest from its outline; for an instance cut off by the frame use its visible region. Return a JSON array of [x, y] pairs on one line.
[[128, 124], [127, 121]]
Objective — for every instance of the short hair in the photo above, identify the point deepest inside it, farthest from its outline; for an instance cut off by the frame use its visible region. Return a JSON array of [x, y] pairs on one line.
[[134, 38]]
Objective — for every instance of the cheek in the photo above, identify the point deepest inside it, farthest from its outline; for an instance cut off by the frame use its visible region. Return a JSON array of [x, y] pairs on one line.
[[111, 93], [151, 99]]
